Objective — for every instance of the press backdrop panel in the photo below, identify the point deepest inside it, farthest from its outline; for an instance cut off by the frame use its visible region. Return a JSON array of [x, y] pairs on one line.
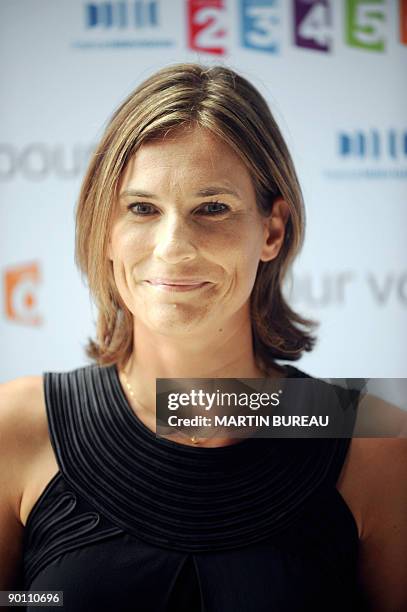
[[334, 75]]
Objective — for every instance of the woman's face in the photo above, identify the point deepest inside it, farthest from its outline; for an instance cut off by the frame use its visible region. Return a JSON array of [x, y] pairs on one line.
[[187, 214]]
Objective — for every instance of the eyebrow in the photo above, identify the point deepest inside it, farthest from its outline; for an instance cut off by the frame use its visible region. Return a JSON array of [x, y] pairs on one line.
[[202, 193]]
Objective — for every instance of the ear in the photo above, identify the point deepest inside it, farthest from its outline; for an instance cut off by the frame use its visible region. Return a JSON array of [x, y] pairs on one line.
[[274, 230]]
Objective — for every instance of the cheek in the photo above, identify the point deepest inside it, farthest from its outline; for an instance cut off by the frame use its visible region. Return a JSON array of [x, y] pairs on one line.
[[246, 265], [127, 246], [244, 247], [240, 260], [242, 237]]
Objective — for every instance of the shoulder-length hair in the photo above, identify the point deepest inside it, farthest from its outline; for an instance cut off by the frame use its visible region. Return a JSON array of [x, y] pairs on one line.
[[220, 100]]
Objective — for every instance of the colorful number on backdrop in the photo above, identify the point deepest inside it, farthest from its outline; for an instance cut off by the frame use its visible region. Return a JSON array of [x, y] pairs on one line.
[[365, 24], [206, 25], [260, 24], [403, 22], [260, 21], [312, 24]]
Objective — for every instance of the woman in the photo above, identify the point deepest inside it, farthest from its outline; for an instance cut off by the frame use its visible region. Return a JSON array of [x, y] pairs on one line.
[[189, 217]]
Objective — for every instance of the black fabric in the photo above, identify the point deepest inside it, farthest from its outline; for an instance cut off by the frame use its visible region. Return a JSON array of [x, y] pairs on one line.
[[136, 522]]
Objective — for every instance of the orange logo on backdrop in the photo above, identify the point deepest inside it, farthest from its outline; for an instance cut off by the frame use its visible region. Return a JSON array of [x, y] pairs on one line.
[[21, 285], [403, 22]]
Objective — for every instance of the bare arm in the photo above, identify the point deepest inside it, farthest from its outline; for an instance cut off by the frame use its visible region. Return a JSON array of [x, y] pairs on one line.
[[383, 546], [11, 534]]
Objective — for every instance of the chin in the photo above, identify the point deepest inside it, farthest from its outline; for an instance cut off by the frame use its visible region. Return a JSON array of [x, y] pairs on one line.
[[179, 321]]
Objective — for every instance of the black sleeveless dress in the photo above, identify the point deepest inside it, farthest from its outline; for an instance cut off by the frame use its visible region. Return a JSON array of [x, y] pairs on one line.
[[132, 522]]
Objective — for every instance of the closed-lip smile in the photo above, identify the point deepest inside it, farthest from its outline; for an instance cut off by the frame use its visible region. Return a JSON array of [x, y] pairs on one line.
[[176, 281], [177, 285]]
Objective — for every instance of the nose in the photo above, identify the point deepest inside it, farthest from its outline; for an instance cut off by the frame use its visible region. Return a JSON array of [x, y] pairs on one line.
[[174, 240]]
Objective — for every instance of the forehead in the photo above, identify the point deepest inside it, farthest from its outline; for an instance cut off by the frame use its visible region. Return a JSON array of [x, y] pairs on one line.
[[194, 156]]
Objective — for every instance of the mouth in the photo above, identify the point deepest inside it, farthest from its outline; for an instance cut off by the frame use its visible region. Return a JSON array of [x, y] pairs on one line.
[[179, 286]]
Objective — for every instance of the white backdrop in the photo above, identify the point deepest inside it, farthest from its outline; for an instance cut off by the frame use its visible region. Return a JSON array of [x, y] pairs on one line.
[[334, 75]]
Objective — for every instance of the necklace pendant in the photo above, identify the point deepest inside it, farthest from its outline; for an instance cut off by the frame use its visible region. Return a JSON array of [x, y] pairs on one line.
[[194, 440]]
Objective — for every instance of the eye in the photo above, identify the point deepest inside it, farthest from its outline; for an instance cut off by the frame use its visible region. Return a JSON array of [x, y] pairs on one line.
[[215, 208], [144, 209], [141, 208]]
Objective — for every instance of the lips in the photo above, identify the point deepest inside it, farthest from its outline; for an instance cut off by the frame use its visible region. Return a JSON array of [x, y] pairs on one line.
[[177, 285], [177, 282]]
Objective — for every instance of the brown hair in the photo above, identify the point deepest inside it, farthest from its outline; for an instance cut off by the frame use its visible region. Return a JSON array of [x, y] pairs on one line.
[[220, 100]]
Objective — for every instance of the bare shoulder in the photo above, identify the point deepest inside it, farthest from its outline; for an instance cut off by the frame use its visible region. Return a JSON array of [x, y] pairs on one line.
[[379, 418], [20, 392], [24, 427], [22, 414], [372, 480], [23, 435]]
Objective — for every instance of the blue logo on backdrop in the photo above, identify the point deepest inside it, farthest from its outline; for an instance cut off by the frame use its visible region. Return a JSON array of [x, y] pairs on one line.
[[373, 144], [370, 154], [136, 14], [109, 24]]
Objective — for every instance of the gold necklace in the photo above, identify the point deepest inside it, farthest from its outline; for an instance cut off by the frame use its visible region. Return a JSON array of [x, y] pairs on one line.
[[193, 439]]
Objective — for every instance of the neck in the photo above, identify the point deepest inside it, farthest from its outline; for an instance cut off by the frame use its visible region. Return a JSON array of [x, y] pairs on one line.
[[226, 352], [222, 353]]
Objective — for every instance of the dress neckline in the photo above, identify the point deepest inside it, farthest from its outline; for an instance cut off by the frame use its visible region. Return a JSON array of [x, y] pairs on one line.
[[131, 415], [171, 494]]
